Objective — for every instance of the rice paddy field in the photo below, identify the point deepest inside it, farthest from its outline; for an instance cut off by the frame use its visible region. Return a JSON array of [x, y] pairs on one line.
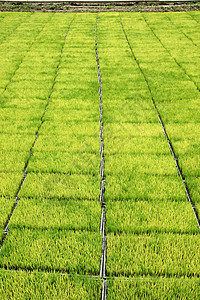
[[100, 150]]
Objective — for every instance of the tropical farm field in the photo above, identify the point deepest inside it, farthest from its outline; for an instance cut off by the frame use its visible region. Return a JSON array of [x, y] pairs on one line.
[[99, 143]]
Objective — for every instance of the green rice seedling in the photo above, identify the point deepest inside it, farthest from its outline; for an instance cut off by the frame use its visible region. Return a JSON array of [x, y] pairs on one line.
[[197, 205], [71, 144], [190, 164], [123, 114], [9, 23], [141, 217], [150, 53], [147, 287], [66, 75], [6, 205], [187, 130], [66, 163], [7, 127], [20, 104], [144, 187], [23, 74], [42, 94], [194, 188], [44, 285], [185, 146], [169, 84], [16, 142], [71, 128], [149, 164], [138, 144], [133, 77], [190, 67], [74, 104], [81, 93], [57, 214], [61, 115], [3, 84], [10, 114], [78, 85], [164, 254], [76, 187], [142, 96], [183, 111], [196, 80], [13, 161], [9, 184], [175, 94], [147, 130], [52, 250], [31, 84]]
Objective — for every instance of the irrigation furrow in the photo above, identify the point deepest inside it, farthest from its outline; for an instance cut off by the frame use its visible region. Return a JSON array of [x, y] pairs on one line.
[[31, 149], [165, 133], [190, 78], [103, 179], [136, 277], [29, 49], [18, 269]]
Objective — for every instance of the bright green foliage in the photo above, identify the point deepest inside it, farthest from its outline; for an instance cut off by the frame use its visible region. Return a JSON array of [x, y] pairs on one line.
[[16, 127], [6, 205], [71, 115], [190, 164], [144, 187], [26, 115], [61, 250], [60, 186], [136, 145], [13, 161], [48, 285], [42, 285], [17, 142], [133, 130], [150, 227], [71, 144], [194, 187], [145, 217], [57, 214], [131, 165], [64, 162], [153, 254], [70, 128], [127, 114], [154, 288], [10, 183]]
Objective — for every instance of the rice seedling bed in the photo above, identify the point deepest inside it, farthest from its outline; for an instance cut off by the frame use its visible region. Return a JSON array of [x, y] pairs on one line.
[[99, 107]]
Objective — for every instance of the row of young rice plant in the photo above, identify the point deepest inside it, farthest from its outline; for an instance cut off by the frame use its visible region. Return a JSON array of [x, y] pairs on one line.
[[55, 226], [21, 109], [151, 230], [58, 192], [174, 81]]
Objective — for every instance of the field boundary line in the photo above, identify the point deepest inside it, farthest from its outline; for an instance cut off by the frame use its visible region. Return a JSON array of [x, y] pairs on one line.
[[103, 179], [137, 277], [6, 228], [164, 131]]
